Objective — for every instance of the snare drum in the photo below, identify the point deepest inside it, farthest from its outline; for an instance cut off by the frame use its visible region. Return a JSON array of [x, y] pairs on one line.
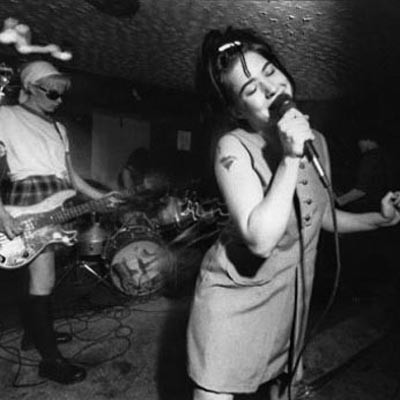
[[91, 241], [139, 261]]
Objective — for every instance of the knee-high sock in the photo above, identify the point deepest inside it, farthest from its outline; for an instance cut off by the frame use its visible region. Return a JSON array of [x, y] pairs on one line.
[[38, 323]]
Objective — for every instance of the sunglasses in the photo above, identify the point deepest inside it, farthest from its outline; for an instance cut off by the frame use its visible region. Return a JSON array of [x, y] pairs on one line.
[[51, 94]]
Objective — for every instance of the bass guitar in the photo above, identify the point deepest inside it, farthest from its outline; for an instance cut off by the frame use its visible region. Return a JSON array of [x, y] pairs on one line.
[[41, 226]]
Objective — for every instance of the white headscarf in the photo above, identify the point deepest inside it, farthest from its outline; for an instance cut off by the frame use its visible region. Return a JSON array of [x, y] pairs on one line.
[[33, 72]]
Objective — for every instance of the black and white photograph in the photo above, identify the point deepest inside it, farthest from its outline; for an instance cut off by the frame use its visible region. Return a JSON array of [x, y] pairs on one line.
[[199, 200]]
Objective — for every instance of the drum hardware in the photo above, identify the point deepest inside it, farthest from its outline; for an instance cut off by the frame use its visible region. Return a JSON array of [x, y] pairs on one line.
[[88, 256], [177, 221], [90, 266], [176, 213]]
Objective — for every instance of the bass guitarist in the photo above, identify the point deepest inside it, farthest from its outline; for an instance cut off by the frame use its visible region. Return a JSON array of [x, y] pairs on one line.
[[37, 152]]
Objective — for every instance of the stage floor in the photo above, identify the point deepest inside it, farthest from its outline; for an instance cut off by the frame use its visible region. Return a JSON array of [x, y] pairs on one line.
[[135, 348]]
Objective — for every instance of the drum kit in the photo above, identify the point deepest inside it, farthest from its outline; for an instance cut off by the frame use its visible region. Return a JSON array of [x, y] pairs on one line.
[[137, 250]]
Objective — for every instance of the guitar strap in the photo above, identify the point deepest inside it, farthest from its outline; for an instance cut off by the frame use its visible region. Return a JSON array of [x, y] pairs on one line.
[[4, 168], [68, 162]]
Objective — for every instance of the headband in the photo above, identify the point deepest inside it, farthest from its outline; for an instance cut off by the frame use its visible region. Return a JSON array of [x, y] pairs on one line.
[[229, 45]]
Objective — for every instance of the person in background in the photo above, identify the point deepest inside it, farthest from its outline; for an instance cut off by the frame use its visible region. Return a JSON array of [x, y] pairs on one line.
[[372, 178], [133, 173], [252, 296], [362, 252], [36, 149], [143, 182]]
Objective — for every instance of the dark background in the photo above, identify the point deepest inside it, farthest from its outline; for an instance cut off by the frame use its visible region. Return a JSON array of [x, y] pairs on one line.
[[342, 54]]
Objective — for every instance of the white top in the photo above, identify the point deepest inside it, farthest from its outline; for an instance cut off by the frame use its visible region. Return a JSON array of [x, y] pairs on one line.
[[32, 144]]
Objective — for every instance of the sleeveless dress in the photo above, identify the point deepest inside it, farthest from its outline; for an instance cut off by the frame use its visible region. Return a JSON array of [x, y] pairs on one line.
[[249, 314]]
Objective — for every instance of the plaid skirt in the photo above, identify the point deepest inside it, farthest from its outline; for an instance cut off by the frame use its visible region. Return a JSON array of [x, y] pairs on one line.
[[34, 189]]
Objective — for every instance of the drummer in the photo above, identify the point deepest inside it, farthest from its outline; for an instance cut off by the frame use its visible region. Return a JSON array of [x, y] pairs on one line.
[[133, 171], [145, 183]]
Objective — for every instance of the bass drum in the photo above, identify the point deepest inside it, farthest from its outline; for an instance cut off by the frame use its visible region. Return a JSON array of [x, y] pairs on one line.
[[140, 263]]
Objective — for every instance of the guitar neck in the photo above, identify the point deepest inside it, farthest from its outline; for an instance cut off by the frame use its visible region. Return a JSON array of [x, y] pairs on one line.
[[62, 215]]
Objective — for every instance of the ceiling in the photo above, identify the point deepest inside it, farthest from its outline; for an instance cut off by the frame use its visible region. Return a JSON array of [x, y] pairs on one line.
[[332, 47]]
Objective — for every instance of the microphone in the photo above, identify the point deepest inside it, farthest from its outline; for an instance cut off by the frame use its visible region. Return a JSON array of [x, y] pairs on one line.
[[280, 106]]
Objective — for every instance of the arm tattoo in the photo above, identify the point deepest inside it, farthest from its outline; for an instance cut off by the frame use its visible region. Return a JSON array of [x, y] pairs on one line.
[[227, 161]]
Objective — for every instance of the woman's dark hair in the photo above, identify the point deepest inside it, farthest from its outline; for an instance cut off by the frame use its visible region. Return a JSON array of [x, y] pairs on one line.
[[218, 53]]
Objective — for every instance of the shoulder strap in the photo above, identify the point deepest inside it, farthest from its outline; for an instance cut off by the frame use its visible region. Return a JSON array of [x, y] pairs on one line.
[[61, 136], [68, 161]]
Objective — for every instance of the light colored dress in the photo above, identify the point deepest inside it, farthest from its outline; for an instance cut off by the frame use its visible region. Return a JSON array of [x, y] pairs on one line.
[[249, 314]]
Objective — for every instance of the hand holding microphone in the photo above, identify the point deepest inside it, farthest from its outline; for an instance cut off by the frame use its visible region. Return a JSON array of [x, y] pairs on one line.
[[297, 133], [294, 130]]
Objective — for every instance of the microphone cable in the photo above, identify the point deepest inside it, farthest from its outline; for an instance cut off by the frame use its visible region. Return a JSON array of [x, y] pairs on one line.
[[309, 388], [283, 103]]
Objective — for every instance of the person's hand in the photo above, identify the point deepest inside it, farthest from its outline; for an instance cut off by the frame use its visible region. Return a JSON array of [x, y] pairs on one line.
[[390, 208], [294, 130], [9, 225], [113, 200]]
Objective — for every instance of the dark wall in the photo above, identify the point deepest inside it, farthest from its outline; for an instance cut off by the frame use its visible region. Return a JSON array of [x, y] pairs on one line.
[[183, 164], [341, 121]]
